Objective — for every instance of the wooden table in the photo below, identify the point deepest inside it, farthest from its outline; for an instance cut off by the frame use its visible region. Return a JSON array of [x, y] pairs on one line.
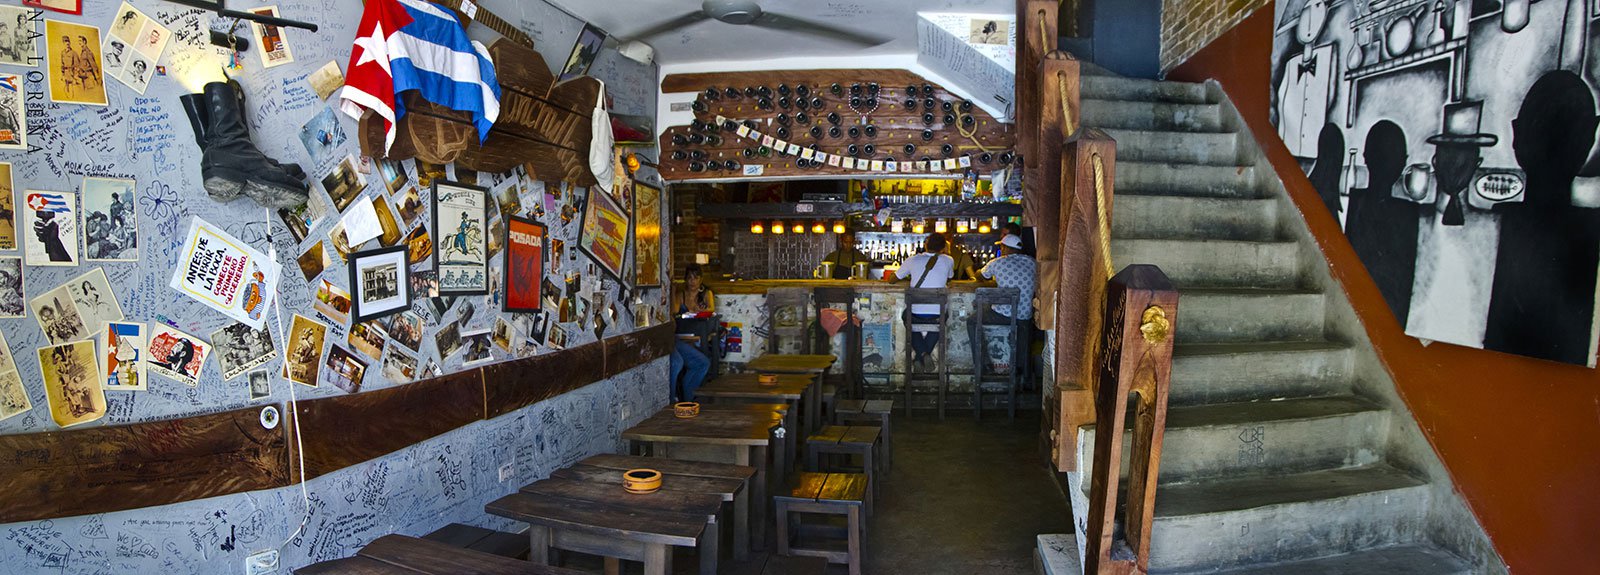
[[402, 555], [790, 389], [730, 482], [602, 519], [814, 365], [736, 434]]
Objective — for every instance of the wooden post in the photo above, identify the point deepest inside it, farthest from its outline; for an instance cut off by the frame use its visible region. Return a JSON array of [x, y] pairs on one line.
[[1088, 176], [1141, 316], [1042, 200], [1036, 41]]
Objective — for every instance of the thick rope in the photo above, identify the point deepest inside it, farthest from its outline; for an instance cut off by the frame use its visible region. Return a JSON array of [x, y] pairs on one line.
[[1101, 208], [1066, 107]]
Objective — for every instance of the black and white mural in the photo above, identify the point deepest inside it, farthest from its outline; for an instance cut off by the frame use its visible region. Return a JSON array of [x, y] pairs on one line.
[[1455, 142]]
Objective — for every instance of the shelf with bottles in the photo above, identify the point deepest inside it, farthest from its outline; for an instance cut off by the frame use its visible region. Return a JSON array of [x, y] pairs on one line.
[[925, 191]]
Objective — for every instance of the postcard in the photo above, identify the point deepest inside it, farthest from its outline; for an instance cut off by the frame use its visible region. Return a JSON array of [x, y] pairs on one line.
[[72, 383], [126, 349], [177, 355]]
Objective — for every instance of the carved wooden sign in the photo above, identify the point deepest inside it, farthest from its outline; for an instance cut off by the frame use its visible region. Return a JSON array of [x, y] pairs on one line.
[[543, 124], [101, 469]]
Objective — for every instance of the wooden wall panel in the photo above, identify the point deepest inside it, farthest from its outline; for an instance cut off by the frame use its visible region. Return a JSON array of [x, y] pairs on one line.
[[630, 350], [344, 430], [513, 385], [897, 125], [100, 469]]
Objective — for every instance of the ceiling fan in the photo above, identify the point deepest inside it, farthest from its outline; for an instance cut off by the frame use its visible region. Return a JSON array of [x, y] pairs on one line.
[[748, 13]]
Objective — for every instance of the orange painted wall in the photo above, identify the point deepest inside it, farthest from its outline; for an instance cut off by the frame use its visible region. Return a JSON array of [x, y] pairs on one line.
[[1521, 437]]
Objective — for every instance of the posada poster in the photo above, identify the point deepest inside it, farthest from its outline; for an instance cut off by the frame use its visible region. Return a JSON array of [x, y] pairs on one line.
[[226, 274]]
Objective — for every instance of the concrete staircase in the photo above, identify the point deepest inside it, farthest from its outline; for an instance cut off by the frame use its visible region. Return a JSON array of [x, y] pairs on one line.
[[1286, 450]]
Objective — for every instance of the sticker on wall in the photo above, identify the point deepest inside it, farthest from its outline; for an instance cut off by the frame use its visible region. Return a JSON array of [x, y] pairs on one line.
[[51, 219], [225, 274], [332, 301], [272, 43], [405, 328], [74, 65], [177, 355], [327, 79], [313, 261], [110, 224], [240, 348], [13, 121], [397, 366], [126, 349], [72, 383], [304, 355]]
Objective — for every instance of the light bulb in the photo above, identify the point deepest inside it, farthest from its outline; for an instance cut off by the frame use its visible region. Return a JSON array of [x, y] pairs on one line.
[[818, 228], [798, 228], [756, 227], [838, 227], [777, 228], [961, 226], [983, 228], [939, 226]]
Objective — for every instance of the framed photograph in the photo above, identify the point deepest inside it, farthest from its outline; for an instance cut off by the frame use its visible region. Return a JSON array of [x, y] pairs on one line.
[[80, 80], [525, 240], [646, 235], [110, 226], [583, 52], [604, 234], [62, 6], [378, 278], [460, 235]]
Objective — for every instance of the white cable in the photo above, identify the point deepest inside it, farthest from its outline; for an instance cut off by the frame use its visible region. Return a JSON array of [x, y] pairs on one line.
[[299, 445]]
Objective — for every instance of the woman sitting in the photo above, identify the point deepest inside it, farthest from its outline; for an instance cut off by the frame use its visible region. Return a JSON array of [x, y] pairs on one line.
[[687, 360]]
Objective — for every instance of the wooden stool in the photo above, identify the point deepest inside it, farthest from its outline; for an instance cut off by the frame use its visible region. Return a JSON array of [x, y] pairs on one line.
[[861, 440], [827, 494], [488, 541], [830, 397], [870, 411]]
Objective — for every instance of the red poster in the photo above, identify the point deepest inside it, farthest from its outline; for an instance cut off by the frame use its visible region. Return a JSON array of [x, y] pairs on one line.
[[524, 264]]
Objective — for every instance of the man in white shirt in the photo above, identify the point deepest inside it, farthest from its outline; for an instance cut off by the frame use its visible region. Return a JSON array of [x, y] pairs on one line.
[[927, 270]]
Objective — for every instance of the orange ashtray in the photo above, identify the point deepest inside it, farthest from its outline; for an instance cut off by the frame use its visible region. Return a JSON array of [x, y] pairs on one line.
[[685, 409], [767, 379], [641, 481]]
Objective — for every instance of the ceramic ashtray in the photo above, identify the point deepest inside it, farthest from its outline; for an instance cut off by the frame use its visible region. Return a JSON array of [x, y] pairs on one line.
[[767, 379], [685, 409], [641, 480]]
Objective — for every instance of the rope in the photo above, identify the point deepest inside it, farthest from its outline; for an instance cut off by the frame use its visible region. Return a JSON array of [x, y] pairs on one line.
[[1066, 107], [1100, 209], [971, 134], [1044, 33]]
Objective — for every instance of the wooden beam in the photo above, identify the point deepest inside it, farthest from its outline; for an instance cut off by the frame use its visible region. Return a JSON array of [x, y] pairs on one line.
[[513, 385], [340, 431], [1085, 266], [630, 350]]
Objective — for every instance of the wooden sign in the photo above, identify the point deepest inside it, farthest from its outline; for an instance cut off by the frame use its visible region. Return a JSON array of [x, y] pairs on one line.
[[101, 469], [542, 124]]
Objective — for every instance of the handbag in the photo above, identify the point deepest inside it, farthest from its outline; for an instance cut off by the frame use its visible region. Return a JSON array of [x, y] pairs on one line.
[[601, 143]]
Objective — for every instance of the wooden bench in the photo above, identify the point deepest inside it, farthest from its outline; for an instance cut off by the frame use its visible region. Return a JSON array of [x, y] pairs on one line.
[[872, 411], [843, 494], [402, 555], [858, 440], [513, 545]]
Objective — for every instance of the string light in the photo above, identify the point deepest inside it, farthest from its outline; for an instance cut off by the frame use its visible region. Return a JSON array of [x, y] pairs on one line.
[[777, 227], [961, 226], [818, 228], [756, 227], [983, 228], [798, 228], [838, 227], [939, 226]]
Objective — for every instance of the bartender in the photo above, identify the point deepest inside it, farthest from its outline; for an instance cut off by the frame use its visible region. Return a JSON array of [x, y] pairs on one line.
[[845, 256]]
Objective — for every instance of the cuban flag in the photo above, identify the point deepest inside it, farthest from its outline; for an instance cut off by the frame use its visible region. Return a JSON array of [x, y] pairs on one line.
[[415, 45], [43, 202]]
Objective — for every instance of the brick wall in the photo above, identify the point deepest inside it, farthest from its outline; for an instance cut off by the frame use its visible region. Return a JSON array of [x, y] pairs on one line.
[[1189, 25]]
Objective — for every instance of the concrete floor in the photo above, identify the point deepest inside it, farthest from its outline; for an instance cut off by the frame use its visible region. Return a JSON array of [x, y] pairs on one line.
[[964, 497]]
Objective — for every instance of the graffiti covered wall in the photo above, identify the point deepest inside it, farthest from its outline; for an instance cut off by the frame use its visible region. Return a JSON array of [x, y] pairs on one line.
[[1455, 142]]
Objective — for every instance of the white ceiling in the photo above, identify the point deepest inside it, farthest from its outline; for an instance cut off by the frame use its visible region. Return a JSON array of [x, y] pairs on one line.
[[711, 40]]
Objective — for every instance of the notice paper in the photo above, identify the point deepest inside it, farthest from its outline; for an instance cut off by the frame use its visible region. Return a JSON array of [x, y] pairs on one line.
[[361, 223], [226, 274]]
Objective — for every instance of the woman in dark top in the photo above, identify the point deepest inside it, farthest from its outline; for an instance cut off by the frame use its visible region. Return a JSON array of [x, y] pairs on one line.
[[687, 360]]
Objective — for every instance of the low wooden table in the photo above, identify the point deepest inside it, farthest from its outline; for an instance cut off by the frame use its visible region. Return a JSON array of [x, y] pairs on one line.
[[792, 389], [402, 555], [602, 519], [814, 365], [736, 434], [730, 482]]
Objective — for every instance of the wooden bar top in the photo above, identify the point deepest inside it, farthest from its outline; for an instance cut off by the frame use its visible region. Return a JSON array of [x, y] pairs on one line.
[[760, 286]]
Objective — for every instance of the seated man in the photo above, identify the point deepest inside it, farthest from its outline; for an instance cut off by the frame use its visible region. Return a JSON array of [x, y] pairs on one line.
[[930, 270], [1014, 269]]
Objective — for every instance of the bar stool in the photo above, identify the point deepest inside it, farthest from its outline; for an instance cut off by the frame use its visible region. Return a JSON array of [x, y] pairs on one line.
[[836, 298], [941, 375], [984, 317], [798, 302]]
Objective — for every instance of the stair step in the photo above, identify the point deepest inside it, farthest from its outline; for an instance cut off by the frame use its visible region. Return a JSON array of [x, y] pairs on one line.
[[1150, 115], [1119, 88], [1253, 520], [1243, 371], [1395, 560], [1179, 179], [1210, 148], [1215, 263], [1263, 437], [1178, 217], [1244, 315]]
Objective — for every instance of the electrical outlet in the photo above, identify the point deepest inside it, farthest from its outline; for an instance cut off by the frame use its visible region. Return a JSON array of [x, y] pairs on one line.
[[507, 470], [261, 563]]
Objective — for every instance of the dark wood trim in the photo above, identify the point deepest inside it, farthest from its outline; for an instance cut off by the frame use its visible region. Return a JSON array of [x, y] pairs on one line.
[[104, 469]]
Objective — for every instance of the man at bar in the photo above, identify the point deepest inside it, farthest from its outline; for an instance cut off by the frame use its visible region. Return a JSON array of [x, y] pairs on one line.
[[963, 269], [930, 269], [1014, 269], [845, 256]]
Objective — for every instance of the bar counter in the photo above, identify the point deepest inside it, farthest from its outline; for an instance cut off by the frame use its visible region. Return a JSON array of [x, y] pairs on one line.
[[742, 305]]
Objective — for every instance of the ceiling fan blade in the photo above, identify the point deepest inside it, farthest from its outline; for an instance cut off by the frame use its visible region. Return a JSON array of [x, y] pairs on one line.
[[789, 23], [670, 25]]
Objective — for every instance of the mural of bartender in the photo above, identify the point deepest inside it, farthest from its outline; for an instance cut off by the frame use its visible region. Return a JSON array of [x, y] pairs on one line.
[[845, 256]]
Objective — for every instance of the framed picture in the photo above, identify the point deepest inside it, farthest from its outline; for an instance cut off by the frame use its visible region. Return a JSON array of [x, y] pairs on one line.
[[584, 52], [646, 235], [525, 257], [378, 278], [461, 247], [605, 233], [63, 6]]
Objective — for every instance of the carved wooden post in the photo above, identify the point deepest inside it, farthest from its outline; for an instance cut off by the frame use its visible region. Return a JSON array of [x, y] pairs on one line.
[[1036, 40], [1141, 316], [1088, 175]]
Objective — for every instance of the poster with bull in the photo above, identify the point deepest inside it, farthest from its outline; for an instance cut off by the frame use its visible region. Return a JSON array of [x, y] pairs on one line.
[[1454, 141]]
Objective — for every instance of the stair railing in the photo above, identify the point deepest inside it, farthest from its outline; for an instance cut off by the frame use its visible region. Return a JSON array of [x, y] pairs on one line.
[[1134, 367]]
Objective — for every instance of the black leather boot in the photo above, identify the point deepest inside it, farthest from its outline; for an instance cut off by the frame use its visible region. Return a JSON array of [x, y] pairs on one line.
[[230, 164]]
